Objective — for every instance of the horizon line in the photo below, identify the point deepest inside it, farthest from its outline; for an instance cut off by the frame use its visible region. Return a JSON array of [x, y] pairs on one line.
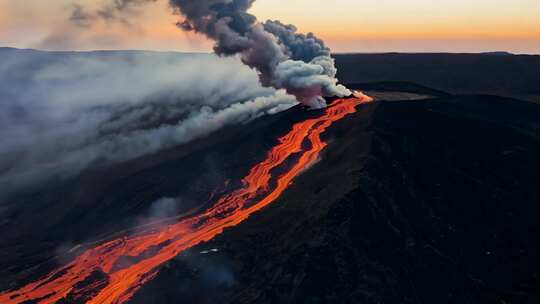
[[494, 52]]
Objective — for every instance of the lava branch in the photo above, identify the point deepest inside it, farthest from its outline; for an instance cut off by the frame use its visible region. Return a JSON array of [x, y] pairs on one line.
[[118, 282]]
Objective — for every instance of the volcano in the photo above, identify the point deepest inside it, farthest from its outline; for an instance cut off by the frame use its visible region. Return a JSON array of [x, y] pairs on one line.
[[419, 196]]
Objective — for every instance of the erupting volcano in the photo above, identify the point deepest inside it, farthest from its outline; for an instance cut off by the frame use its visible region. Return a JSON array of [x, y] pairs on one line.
[[102, 275], [208, 151]]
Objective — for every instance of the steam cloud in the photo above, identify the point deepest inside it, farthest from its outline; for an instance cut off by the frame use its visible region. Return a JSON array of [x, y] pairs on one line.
[[64, 112], [299, 63]]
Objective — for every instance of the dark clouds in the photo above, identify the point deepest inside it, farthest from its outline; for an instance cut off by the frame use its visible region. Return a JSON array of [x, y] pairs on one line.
[[121, 11], [104, 25], [80, 17]]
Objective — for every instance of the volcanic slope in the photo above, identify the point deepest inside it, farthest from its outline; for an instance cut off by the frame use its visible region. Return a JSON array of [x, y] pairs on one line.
[[412, 202], [425, 201]]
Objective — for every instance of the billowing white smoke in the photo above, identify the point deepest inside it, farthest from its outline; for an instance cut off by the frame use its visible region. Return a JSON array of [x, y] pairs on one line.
[[62, 113], [284, 58]]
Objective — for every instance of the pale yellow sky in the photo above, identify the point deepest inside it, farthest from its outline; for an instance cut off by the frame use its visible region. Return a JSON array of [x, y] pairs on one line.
[[346, 25]]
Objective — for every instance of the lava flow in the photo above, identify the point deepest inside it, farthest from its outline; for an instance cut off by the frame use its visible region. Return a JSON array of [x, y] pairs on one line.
[[102, 275]]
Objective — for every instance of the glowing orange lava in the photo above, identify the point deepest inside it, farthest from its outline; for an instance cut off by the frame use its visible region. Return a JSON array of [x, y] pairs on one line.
[[98, 275]]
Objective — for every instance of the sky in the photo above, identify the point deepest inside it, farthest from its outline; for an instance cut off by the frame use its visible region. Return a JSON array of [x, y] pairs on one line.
[[346, 25]]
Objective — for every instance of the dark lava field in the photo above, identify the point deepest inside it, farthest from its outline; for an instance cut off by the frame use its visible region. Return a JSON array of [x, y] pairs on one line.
[[424, 200], [432, 201]]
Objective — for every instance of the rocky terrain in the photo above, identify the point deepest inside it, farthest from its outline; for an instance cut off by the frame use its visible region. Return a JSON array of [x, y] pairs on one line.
[[414, 202], [501, 74], [422, 196]]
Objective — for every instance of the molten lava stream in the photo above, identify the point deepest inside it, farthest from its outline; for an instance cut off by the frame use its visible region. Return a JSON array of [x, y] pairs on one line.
[[117, 282]]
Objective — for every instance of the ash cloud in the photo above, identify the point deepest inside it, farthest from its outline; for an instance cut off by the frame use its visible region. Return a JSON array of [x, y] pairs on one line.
[[65, 112], [81, 17], [299, 63], [82, 20], [285, 59], [120, 11], [62, 116]]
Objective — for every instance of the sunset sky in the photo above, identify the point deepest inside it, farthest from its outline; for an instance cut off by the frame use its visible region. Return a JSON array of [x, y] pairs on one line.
[[346, 25]]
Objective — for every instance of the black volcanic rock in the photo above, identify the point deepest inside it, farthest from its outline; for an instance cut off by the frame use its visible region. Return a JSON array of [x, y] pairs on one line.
[[505, 75], [423, 201], [413, 202]]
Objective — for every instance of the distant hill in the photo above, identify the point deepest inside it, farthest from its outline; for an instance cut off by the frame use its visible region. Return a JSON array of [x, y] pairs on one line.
[[4, 50], [496, 73], [497, 54]]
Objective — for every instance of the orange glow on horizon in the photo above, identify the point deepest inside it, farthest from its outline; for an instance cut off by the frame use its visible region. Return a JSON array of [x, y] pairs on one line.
[[392, 25]]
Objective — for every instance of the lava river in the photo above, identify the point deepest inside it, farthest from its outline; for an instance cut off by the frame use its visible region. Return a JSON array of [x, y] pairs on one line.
[[101, 275]]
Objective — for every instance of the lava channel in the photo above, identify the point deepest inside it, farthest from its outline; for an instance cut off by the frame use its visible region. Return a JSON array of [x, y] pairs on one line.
[[101, 275]]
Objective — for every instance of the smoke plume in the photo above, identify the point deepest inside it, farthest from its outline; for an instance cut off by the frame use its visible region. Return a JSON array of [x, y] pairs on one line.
[[299, 63], [65, 112], [285, 59], [115, 11], [62, 116]]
